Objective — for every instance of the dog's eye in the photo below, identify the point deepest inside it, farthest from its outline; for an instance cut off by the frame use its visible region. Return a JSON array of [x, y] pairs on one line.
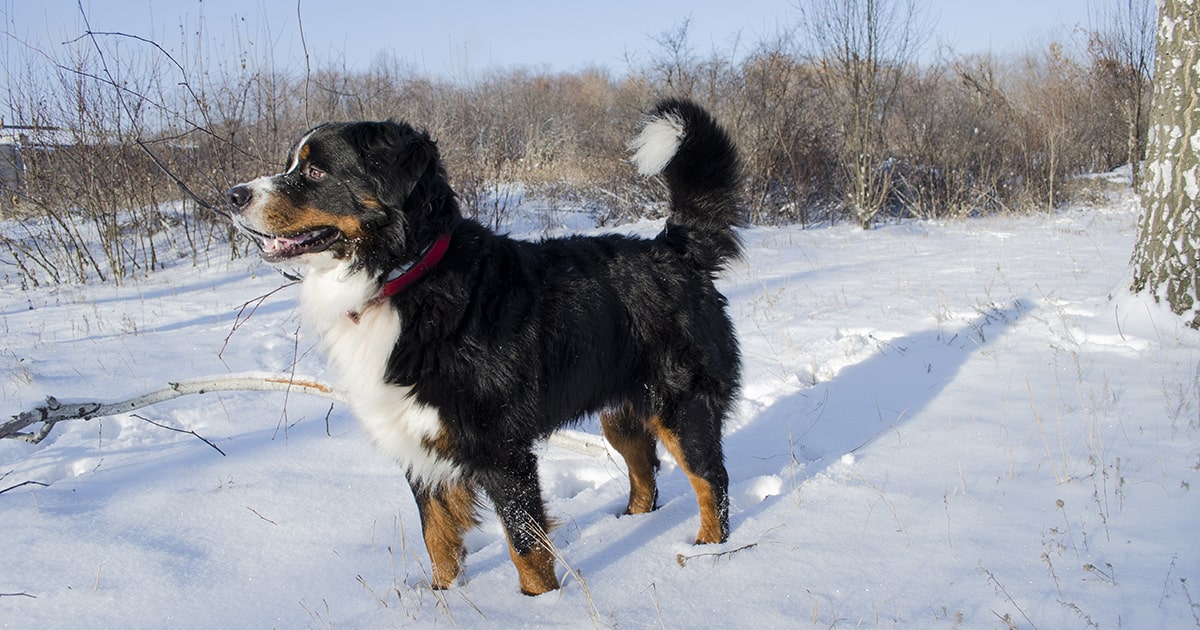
[[314, 173]]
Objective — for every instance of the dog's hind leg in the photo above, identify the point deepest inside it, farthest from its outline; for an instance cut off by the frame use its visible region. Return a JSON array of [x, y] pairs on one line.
[[693, 437], [513, 488], [629, 435], [448, 510]]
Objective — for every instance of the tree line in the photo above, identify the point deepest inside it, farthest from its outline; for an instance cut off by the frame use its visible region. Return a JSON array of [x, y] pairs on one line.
[[836, 119]]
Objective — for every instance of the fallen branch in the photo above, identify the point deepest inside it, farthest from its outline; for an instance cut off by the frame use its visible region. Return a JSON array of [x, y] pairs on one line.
[[25, 483], [682, 560], [716, 556], [55, 411]]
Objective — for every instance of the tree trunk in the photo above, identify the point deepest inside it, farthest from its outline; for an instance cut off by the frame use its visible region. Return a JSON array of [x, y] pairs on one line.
[[1132, 154], [1166, 257]]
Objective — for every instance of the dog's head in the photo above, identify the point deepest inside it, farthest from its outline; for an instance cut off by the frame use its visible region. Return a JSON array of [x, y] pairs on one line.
[[371, 194]]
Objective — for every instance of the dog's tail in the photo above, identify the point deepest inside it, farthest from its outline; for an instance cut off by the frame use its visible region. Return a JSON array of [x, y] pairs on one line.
[[700, 165]]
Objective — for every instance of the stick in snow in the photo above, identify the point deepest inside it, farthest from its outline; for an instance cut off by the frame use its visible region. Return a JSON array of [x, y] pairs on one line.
[[55, 411]]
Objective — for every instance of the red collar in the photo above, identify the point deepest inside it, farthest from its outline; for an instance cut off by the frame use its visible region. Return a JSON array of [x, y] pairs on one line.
[[417, 271]]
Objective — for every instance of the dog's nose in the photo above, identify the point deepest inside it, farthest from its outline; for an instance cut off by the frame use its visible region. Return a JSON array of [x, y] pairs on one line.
[[240, 195]]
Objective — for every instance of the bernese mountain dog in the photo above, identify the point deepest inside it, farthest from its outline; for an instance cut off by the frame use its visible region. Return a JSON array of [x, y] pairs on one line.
[[459, 348]]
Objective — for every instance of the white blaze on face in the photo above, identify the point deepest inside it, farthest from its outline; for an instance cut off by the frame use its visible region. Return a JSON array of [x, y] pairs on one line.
[[262, 187], [299, 152], [251, 215]]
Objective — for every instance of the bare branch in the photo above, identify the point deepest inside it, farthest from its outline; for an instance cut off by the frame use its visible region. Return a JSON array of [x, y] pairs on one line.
[[242, 316], [24, 483], [55, 411], [170, 428], [256, 513], [682, 560], [307, 62]]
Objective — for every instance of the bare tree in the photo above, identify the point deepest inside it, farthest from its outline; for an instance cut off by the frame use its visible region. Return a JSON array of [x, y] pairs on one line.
[[1122, 45], [1166, 257], [1051, 109], [779, 126], [862, 48], [676, 66]]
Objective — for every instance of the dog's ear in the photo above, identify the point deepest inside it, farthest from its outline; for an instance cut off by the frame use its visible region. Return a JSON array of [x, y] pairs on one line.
[[396, 157]]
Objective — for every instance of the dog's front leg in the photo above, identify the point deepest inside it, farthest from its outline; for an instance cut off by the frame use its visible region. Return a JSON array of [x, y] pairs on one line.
[[514, 490], [448, 510]]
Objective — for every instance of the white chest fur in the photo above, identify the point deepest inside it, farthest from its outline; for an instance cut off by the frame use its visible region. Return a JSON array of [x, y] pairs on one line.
[[358, 350]]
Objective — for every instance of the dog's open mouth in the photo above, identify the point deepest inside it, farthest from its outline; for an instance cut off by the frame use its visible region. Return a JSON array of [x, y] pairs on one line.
[[278, 248]]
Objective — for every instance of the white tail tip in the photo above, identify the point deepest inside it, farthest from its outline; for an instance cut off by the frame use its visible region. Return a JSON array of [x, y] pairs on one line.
[[657, 143]]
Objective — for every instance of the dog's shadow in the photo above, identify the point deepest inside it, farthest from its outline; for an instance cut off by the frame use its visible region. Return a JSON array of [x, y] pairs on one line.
[[797, 437]]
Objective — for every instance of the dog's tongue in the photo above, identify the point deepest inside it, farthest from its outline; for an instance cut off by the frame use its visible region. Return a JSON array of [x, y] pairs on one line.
[[283, 243], [276, 248]]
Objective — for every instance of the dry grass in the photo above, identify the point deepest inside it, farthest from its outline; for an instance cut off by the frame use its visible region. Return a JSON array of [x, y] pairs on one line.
[[143, 162]]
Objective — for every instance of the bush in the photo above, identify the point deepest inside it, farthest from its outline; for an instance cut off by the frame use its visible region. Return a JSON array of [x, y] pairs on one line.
[[146, 159]]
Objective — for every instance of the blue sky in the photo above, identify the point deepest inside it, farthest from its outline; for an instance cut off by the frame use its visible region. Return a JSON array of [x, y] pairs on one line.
[[458, 38]]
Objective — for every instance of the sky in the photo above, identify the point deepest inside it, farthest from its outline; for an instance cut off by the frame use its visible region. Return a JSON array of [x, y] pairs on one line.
[[457, 38]]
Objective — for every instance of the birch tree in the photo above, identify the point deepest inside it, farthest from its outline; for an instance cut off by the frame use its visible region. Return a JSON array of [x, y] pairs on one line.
[[1166, 256]]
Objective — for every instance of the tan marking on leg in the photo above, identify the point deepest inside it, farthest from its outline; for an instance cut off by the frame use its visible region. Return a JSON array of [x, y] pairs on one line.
[[710, 521], [535, 569], [445, 519], [630, 438]]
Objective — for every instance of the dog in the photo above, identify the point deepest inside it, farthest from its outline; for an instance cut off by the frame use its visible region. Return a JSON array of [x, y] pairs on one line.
[[459, 348]]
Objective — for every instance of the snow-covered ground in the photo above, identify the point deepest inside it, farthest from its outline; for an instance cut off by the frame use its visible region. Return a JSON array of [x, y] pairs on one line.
[[966, 424]]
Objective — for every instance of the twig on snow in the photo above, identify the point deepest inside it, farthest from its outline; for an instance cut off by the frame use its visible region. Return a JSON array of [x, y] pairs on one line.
[[25, 483], [256, 513], [683, 560], [171, 428], [717, 555]]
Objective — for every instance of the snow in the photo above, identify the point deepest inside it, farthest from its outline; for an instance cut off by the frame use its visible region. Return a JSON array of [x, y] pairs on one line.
[[958, 424]]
